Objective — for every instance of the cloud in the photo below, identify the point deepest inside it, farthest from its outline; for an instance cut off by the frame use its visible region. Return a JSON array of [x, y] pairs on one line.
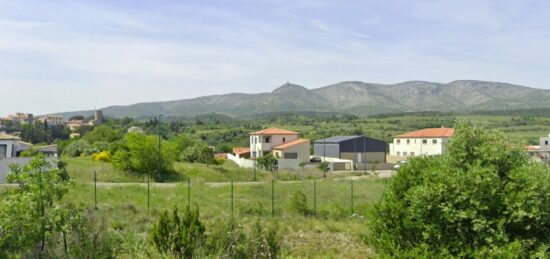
[[65, 53]]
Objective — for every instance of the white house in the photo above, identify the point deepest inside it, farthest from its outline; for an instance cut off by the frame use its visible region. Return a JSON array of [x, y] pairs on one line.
[[135, 129], [285, 145], [432, 141], [542, 151], [52, 120], [8, 145], [262, 142]]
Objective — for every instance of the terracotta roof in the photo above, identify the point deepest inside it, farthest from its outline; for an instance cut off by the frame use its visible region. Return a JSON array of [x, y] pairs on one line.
[[274, 131], [241, 150], [291, 143], [429, 133], [4, 136]]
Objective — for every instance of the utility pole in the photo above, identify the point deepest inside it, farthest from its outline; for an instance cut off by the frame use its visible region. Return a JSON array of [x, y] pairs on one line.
[[160, 158]]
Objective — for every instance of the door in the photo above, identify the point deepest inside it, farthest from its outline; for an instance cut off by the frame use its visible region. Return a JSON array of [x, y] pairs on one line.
[[3, 151]]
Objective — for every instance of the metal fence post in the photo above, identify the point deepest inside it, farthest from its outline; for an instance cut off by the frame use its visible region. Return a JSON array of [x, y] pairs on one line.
[[189, 193], [254, 169], [231, 197], [272, 197], [314, 197], [352, 196], [148, 192], [95, 190]]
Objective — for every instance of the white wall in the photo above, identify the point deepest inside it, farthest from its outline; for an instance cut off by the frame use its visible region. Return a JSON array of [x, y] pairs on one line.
[[289, 163], [417, 147], [241, 162], [10, 146], [545, 143]]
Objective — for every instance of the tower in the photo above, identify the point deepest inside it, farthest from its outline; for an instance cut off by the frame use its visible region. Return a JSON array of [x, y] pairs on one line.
[[98, 115]]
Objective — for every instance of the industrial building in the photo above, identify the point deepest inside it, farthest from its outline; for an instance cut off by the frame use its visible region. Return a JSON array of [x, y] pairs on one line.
[[360, 150]]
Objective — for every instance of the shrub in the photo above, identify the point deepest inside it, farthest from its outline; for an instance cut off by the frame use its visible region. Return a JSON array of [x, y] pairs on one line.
[[298, 203], [334, 210], [172, 235], [139, 154], [79, 148], [483, 197], [102, 156]]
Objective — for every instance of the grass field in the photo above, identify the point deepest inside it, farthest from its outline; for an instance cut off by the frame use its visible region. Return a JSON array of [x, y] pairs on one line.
[[83, 168], [335, 232]]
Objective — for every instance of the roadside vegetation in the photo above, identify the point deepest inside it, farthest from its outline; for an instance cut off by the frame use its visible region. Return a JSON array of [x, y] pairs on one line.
[[483, 198]]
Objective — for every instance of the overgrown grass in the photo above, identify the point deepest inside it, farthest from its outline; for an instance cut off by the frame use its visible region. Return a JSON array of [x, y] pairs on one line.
[[335, 232], [83, 168]]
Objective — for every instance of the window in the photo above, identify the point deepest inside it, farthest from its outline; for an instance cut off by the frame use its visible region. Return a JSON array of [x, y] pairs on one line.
[[253, 154], [412, 153], [405, 153], [424, 141], [398, 141], [291, 155], [398, 153], [284, 140], [408, 141], [434, 141], [267, 139], [546, 142]]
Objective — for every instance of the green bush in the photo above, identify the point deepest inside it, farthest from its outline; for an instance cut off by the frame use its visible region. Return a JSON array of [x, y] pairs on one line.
[[79, 148], [298, 203], [334, 210], [483, 197], [187, 238], [34, 223], [139, 154], [172, 235]]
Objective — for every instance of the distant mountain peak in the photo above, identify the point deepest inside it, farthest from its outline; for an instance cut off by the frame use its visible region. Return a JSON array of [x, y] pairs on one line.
[[354, 97], [289, 88]]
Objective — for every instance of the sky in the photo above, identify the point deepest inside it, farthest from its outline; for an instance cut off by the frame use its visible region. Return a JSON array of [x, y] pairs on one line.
[[60, 56]]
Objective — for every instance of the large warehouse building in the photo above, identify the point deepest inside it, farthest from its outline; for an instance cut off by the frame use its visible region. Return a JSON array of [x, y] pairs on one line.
[[359, 149]]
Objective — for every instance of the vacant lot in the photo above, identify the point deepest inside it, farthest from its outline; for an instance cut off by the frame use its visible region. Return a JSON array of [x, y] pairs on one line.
[[334, 232]]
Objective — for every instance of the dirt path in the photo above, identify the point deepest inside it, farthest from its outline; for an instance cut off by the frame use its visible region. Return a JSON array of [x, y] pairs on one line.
[[383, 174]]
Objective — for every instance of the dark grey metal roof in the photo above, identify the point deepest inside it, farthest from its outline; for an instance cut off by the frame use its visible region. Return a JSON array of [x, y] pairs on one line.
[[337, 139]]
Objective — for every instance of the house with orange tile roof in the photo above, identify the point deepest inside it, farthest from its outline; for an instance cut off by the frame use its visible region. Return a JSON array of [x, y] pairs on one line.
[[283, 144], [429, 142]]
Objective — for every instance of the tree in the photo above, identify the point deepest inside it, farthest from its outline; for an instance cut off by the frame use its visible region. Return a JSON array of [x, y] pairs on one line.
[[32, 217], [303, 166], [78, 148], [268, 162], [25, 218], [482, 198], [103, 133], [139, 154], [199, 152], [324, 167]]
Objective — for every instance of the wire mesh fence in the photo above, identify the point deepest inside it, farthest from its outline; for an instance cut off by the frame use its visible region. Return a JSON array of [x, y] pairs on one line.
[[331, 198]]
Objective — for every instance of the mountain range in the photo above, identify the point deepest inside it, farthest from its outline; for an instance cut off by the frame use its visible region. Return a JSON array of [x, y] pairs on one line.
[[352, 97]]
